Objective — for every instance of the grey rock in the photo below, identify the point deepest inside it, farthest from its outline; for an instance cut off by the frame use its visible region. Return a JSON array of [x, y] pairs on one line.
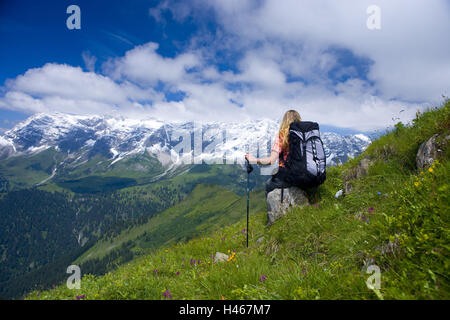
[[220, 257], [338, 194], [429, 151], [260, 240], [276, 208]]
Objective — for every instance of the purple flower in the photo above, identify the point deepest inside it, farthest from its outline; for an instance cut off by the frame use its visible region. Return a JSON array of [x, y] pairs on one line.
[[379, 193], [262, 277], [364, 218], [223, 239], [370, 210], [316, 204], [243, 230], [212, 256], [178, 273], [167, 294], [182, 265], [155, 271], [81, 297]]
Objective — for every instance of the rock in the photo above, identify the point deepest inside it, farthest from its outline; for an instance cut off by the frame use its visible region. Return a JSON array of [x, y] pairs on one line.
[[430, 150], [260, 240], [338, 194], [220, 257], [292, 196]]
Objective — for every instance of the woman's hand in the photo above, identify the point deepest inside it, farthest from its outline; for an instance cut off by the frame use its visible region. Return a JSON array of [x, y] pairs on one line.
[[251, 158]]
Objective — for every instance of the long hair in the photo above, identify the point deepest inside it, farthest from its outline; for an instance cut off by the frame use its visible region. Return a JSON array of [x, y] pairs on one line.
[[289, 117]]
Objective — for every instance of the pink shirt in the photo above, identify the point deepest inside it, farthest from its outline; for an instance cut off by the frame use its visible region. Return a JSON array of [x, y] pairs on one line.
[[277, 147]]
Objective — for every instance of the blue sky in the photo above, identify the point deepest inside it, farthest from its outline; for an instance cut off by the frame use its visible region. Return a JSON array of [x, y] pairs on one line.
[[223, 60]]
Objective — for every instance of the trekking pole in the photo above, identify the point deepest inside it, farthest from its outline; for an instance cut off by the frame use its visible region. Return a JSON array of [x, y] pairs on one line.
[[249, 170]]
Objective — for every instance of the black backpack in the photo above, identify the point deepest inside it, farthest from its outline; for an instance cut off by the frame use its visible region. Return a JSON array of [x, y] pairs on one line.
[[305, 165]]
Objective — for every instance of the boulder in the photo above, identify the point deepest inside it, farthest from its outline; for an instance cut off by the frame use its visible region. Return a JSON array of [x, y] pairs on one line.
[[430, 150], [292, 196], [220, 257]]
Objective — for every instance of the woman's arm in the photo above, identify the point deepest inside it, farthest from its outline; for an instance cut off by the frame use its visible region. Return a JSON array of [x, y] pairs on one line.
[[263, 161]]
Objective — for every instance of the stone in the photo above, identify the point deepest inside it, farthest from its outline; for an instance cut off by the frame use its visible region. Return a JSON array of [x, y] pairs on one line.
[[292, 197], [220, 257], [338, 194], [430, 150]]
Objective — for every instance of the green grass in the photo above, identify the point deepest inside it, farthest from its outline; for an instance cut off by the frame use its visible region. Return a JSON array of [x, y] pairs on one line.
[[25, 171], [396, 218], [207, 208]]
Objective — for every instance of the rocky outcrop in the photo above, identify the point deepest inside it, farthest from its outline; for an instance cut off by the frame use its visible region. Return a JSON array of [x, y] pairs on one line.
[[430, 150], [276, 208]]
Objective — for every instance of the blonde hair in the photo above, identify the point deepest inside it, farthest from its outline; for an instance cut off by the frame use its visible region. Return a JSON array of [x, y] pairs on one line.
[[289, 117]]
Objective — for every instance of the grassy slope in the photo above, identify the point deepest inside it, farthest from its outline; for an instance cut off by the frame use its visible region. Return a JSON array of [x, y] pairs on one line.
[[317, 252], [208, 207]]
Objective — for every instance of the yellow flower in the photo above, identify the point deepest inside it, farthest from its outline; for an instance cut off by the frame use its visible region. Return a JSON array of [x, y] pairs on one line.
[[416, 183], [421, 172], [166, 250], [430, 170]]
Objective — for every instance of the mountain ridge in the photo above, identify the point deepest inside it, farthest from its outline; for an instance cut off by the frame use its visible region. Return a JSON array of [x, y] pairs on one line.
[[79, 139]]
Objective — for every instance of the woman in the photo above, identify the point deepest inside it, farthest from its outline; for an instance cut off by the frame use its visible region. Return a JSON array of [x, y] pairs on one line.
[[280, 151]]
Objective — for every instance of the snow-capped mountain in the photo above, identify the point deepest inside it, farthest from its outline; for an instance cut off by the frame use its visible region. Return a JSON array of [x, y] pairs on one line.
[[116, 138]]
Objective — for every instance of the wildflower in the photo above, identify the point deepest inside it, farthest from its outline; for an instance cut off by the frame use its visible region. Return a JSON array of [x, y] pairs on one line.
[[223, 298], [81, 297], [243, 230], [178, 273], [364, 218], [370, 210], [416, 183], [212, 256], [167, 294], [166, 250], [421, 172], [223, 239], [430, 169], [38, 294], [379, 193], [262, 278], [182, 265], [304, 272], [155, 271]]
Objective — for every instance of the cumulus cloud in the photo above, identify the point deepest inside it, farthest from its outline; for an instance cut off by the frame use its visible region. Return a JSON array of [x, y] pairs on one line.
[[316, 56]]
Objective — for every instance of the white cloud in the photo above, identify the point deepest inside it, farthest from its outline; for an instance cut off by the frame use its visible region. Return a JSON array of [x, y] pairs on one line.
[[89, 61], [143, 64], [285, 52]]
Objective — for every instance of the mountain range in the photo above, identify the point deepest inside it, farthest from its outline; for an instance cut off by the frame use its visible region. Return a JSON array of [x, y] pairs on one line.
[[102, 143]]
